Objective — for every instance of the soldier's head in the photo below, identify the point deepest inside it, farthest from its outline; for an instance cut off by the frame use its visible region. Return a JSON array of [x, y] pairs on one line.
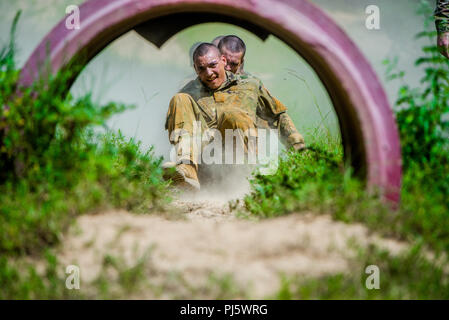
[[209, 65], [233, 48], [216, 40]]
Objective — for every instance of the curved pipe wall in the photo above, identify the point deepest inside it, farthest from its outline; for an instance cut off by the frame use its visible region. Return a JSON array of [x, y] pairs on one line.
[[367, 123]]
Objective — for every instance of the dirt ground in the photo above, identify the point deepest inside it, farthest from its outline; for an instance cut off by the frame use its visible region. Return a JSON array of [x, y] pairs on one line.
[[206, 238]]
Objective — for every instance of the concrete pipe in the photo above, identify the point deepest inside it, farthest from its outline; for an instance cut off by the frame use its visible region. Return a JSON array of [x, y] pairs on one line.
[[367, 123]]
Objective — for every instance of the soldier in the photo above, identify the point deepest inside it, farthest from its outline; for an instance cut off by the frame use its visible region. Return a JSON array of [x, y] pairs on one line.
[[220, 100], [442, 25], [234, 49]]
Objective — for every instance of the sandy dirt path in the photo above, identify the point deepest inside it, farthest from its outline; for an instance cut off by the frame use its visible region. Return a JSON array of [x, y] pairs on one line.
[[206, 239]]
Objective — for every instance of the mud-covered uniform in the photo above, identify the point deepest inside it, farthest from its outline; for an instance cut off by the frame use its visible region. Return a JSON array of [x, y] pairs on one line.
[[239, 103], [442, 16], [289, 135]]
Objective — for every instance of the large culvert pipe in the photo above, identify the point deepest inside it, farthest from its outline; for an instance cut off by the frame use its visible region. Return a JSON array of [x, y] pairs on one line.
[[368, 128]]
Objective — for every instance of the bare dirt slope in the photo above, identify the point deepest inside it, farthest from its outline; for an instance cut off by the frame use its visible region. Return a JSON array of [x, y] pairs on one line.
[[208, 240]]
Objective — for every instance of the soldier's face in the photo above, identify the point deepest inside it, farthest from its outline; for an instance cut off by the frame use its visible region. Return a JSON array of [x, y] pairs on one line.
[[234, 60], [210, 69]]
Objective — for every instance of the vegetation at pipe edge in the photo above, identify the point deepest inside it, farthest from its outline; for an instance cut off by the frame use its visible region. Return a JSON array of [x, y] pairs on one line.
[[76, 171], [316, 181], [55, 164]]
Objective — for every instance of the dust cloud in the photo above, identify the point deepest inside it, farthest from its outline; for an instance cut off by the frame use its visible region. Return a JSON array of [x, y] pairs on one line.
[[221, 184]]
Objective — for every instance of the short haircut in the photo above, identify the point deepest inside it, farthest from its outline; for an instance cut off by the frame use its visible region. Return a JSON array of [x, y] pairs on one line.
[[191, 50], [233, 44], [217, 40], [202, 49]]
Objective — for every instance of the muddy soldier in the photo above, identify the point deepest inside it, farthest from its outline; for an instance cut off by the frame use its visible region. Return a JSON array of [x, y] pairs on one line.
[[442, 25], [219, 99], [234, 49]]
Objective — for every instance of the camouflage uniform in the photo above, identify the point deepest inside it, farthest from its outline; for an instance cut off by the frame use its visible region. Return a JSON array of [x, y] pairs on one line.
[[236, 104], [288, 133], [442, 16]]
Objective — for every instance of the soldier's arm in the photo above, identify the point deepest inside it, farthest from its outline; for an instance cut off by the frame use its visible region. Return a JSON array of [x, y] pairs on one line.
[[275, 113], [442, 25], [290, 137]]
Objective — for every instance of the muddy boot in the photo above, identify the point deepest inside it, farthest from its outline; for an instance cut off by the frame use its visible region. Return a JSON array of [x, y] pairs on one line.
[[183, 175]]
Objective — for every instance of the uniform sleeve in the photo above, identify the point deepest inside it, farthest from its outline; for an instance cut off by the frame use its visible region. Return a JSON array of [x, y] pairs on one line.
[[269, 107], [275, 113], [288, 134], [442, 16]]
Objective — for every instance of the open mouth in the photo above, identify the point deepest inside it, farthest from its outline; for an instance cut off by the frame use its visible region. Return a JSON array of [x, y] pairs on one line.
[[212, 81]]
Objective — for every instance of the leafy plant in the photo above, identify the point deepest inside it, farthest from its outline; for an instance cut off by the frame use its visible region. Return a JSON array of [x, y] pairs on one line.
[[55, 163], [316, 180], [421, 111]]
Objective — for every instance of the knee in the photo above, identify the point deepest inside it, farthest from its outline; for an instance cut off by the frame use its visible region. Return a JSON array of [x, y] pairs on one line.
[[180, 100], [235, 120], [179, 105]]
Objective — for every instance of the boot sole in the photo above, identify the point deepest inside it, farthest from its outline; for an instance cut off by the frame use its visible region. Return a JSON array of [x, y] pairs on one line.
[[180, 180]]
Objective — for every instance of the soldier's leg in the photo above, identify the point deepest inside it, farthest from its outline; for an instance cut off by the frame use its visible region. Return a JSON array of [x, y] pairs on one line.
[[241, 126], [185, 124]]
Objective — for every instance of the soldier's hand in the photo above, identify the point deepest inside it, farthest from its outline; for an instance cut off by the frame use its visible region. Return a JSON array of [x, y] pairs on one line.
[[443, 43]]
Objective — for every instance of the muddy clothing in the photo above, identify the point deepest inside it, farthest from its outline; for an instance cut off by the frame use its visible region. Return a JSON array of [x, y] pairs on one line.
[[288, 133], [183, 115], [260, 123], [442, 16], [236, 104]]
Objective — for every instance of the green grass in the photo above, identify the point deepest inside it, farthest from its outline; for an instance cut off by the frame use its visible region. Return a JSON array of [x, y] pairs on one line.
[[20, 279], [317, 180], [406, 276], [116, 279], [114, 174]]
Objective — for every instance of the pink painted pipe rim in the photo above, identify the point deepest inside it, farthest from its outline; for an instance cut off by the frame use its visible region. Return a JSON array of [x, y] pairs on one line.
[[367, 123]]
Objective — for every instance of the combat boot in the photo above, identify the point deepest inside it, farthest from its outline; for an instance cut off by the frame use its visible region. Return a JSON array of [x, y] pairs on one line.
[[184, 175]]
